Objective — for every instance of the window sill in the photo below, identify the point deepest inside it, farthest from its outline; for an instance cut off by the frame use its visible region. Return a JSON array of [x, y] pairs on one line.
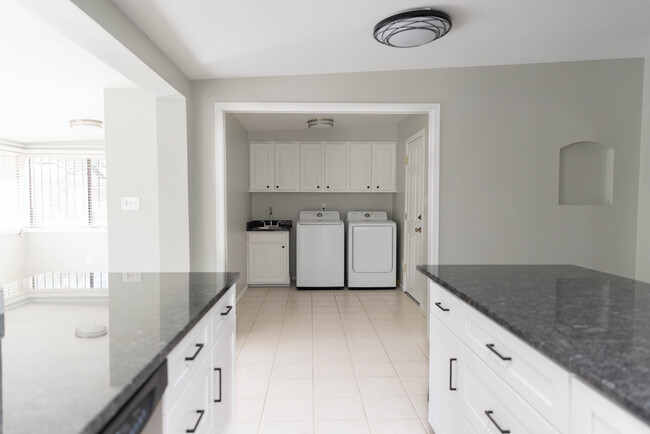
[[65, 230]]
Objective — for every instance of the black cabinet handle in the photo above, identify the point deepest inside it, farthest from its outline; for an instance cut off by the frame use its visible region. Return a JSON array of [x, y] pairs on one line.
[[501, 430], [451, 366], [491, 348], [196, 425], [226, 312], [219, 370], [439, 304], [199, 347]]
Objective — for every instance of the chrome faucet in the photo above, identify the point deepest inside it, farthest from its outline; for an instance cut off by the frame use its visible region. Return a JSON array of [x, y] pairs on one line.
[[271, 214]]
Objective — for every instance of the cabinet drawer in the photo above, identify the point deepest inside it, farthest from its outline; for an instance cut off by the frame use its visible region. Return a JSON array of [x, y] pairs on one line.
[[222, 313], [193, 411], [184, 360], [490, 405], [537, 379], [444, 306]]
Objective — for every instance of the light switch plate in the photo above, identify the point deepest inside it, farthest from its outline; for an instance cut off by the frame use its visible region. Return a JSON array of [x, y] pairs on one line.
[[130, 204], [131, 277]]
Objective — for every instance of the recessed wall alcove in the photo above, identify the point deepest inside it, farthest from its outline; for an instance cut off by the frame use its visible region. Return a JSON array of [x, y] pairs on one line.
[[586, 174]]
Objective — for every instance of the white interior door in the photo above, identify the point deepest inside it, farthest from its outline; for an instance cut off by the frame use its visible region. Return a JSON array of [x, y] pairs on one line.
[[414, 241]]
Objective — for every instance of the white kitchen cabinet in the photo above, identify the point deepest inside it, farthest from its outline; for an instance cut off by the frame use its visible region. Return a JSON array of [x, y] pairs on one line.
[[223, 384], [261, 166], [360, 166], [384, 167], [286, 166], [268, 258], [200, 396], [335, 167], [311, 167], [591, 413]]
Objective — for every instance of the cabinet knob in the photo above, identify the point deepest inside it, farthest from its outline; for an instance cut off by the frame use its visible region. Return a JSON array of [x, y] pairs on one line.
[[328, 186], [277, 186], [368, 187], [283, 247], [377, 186], [318, 186], [268, 186]]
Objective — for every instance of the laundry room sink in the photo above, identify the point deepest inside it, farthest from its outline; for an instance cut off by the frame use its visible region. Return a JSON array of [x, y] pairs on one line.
[[265, 225]]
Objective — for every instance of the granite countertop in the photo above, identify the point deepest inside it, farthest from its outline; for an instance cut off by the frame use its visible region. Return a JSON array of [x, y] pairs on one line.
[[55, 382], [596, 325], [265, 226]]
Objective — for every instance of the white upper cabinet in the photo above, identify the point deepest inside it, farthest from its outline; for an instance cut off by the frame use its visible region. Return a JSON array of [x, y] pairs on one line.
[[360, 166], [383, 167], [335, 166], [311, 166], [286, 167], [323, 167], [261, 167]]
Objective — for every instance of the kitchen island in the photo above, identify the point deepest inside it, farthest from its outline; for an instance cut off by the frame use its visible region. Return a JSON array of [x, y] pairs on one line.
[[540, 348], [78, 346]]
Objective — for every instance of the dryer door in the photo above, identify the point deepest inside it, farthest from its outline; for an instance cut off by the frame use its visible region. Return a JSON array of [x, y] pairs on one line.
[[372, 248]]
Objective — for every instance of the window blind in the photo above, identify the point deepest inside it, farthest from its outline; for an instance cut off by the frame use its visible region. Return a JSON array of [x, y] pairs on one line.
[[67, 191], [10, 192]]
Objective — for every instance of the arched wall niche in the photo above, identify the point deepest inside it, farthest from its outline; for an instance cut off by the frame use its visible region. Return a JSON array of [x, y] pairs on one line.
[[586, 174]]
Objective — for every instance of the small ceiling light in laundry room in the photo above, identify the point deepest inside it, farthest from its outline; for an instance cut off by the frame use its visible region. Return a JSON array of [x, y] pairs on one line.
[[320, 123], [412, 28], [86, 124]]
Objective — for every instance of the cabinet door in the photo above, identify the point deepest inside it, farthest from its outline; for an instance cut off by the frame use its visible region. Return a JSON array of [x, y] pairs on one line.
[[383, 167], [443, 379], [311, 164], [223, 384], [592, 413], [261, 167], [360, 166], [335, 166], [268, 258], [286, 167]]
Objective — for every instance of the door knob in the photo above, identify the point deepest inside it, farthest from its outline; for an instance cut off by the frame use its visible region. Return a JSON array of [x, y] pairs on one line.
[[418, 229]]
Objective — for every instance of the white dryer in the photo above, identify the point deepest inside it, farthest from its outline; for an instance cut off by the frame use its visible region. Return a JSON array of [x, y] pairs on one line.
[[320, 250], [372, 241]]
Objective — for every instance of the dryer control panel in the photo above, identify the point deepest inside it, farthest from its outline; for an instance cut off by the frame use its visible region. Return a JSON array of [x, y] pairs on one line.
[[367, 215]]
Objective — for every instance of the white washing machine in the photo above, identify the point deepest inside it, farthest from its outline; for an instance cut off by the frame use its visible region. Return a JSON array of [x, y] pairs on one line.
[[320, 250], [372, 241]]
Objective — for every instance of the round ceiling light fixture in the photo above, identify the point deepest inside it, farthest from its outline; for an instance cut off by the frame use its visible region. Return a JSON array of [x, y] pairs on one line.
[[412, 28], [320, 123], [86, 124]]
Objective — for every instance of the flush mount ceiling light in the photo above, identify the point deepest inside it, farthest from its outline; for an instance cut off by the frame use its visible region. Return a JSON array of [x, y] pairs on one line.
[[412, 28], [320, 123], [86, 124]]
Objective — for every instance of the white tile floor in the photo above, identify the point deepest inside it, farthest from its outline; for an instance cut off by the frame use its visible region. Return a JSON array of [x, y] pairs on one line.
[[330, 362]]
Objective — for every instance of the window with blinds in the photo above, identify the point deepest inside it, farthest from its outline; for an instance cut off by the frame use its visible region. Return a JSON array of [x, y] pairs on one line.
[[10, 215], [67, 191]]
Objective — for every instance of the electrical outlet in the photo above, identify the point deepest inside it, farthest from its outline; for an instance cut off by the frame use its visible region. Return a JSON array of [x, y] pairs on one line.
[[130, 203], [323, 207], [131, 277]]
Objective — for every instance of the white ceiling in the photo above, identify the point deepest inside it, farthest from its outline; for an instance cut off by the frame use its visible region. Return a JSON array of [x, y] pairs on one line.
[[298, 121], [46, 80], [214, 39]]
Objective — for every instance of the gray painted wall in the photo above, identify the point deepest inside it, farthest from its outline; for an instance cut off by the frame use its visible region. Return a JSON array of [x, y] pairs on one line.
[[501, 131], [239, 199], [643, 228], [365, 133]]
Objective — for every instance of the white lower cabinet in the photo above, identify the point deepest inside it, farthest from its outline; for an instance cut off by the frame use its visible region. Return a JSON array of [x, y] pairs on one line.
[[484, 379], [268, 258], [206, 403]]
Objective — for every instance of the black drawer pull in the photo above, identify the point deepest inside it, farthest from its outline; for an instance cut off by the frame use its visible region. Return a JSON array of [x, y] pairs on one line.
[[439, 304], [226, 312], [219, 370], [491, 348], [196, 425], [450, 371], [502, 431], [199, 347]]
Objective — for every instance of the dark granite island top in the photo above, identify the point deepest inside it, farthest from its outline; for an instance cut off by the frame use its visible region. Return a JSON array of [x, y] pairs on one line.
[[595, 325], [55, 382]]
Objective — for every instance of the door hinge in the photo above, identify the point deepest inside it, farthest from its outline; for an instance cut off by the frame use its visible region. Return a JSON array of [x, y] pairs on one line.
[[407, 160], [405, 215], [405, 268]]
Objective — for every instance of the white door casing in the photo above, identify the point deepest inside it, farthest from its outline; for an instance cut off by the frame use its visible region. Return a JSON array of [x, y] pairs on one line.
[[414, 219]]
